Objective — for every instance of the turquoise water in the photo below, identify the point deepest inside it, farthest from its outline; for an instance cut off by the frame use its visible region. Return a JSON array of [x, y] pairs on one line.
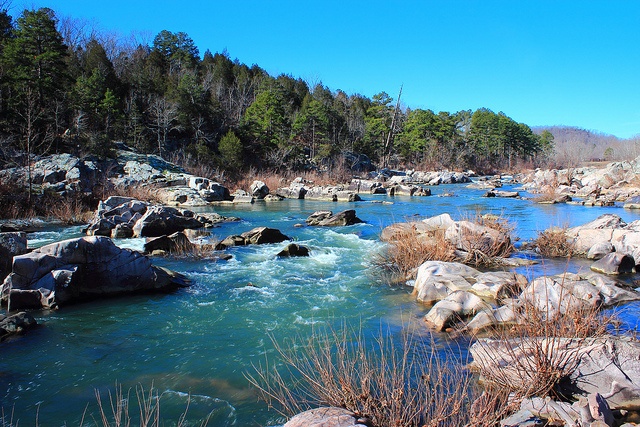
[[196, 345]]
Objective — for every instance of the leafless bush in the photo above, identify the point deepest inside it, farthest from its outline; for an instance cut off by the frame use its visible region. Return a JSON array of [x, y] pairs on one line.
[[554, 242], [393, 384], [408, 249], [485, 250]]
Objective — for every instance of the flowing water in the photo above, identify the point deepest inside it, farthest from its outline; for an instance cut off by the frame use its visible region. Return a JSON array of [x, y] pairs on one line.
[[196, 345]]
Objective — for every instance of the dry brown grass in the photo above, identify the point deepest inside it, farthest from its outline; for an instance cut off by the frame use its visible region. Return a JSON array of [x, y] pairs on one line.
[[144, 193], [554, 242], [408, 249], [393, 384]]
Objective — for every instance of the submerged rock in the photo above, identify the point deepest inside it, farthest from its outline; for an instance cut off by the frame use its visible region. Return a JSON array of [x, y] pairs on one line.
[[79, 269], [293, 250]]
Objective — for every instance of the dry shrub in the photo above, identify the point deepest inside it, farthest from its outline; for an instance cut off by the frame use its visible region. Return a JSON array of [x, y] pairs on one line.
[[408, 249], [392, 384], [486, 250], [534, 357], [554, 242]]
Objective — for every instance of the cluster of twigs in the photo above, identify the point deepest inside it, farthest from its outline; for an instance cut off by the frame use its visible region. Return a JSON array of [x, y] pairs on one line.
[[390, 383]]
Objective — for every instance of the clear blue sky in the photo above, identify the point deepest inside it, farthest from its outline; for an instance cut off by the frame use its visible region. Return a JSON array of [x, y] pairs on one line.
[[555, 62]]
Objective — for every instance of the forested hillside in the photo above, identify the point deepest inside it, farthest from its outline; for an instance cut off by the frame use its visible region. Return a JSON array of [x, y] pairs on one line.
[[66, 88], [575, 146]]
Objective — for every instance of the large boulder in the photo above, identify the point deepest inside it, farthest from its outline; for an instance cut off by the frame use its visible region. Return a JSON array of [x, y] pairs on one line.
[[317, 217], [296, 190], [367, 186], [559, 294], [436, 280], [174, 243], [78, 269]]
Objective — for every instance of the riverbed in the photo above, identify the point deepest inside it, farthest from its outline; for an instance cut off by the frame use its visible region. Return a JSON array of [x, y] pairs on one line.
[[196, 345]]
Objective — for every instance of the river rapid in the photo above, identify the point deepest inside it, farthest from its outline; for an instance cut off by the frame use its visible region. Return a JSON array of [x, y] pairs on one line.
[[197, 344]]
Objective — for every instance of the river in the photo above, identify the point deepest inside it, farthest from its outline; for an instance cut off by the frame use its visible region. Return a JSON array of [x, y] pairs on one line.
[[198, 343]]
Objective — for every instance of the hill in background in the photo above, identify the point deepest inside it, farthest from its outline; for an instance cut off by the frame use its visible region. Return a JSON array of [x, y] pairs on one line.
[[575, 146]]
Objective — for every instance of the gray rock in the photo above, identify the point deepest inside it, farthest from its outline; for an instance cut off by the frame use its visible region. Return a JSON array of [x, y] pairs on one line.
[[264, 235], [615, 263], [161, 220], [632, 203], [259, 190], [317, 217], [469, 237], [243, 199], [296, 190], [175, 243], [121, 231], [11, 244], [16, 324], [367, 186], [84, 268], [327, 417], [599, 250], [522, 418], [343, 218]]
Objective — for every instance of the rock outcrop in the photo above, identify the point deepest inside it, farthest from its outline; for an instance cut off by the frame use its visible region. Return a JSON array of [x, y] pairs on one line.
[[79, 269]]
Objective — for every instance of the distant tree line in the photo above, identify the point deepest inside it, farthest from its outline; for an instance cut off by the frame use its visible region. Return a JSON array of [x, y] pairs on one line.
[[66, 89]]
